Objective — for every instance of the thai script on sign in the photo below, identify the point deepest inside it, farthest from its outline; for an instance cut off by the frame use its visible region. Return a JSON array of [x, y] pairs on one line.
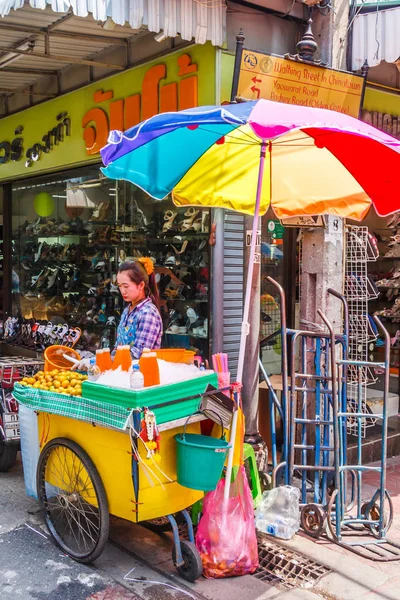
[[14, 150], [388, 123], [154, 98]]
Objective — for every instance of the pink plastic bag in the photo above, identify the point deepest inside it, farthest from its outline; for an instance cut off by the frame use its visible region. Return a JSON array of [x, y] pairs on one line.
[[226, 535]]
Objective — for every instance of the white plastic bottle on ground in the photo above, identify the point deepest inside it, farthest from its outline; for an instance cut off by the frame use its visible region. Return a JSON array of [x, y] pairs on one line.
[[136, 378], [93, 370]]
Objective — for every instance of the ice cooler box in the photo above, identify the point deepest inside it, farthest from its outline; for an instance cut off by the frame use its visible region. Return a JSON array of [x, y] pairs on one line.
[[158, 397]]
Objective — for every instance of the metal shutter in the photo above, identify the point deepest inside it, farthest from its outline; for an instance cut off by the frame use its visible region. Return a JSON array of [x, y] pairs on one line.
[[233, 286]]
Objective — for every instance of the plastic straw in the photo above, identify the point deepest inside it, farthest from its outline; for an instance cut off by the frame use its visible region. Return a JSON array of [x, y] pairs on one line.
[[220, 362]]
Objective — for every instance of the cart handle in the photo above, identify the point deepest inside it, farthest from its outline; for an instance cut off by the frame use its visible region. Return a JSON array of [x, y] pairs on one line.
[[202, 412]]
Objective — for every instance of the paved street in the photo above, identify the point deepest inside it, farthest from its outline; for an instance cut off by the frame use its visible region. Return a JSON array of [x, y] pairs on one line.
[[136, 564]]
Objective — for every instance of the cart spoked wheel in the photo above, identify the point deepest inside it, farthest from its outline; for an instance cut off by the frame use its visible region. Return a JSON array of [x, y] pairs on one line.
[[373, 512], [73, 499], [312, 519], [192, 567]]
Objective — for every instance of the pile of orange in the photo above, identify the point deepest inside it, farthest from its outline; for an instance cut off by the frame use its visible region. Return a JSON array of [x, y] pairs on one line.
[[61, 382]]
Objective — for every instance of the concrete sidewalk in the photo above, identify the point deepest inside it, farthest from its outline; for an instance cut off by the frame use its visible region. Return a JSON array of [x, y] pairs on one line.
[[354, 576]]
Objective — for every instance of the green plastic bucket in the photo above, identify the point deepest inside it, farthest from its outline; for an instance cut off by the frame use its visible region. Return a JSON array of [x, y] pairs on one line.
[[200, 459]]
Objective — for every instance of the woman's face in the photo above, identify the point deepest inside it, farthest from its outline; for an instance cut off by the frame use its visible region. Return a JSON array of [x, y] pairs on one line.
[[130, 291]]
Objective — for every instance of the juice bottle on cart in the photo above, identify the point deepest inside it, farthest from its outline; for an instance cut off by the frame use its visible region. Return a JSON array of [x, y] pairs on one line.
[[126, 360], [117, 362], [107, 360], [149, 367], [99, 359]]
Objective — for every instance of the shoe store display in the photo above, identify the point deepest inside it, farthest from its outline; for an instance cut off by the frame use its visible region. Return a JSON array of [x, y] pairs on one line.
[[67, 264]]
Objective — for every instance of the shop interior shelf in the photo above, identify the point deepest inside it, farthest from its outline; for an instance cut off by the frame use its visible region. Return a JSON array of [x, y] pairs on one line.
[[132, 227]]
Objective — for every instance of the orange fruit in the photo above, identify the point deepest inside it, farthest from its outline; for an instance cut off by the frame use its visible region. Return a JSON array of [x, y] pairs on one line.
[[57, 384], [65, 383]]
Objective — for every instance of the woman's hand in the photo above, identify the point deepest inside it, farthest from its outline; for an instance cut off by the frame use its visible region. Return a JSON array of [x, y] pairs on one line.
[[82, 365]]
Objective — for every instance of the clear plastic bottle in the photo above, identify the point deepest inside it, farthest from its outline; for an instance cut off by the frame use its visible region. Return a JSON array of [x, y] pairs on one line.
[[136, 378], [278, 512], [280, 529], [93, 370]]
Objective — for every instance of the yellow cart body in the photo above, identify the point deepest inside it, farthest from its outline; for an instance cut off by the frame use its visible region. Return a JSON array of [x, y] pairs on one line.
[[111, 453]]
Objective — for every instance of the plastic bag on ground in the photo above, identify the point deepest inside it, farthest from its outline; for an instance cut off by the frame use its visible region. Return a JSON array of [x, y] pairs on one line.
[[226, 536], [278, 512]]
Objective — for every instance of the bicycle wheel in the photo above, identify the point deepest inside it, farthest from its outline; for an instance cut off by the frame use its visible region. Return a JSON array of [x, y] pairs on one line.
[[73, 498]]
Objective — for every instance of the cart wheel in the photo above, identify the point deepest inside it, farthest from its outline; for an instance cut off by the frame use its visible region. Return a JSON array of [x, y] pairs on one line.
[[192, 566], [312, 519], [373, 512], [72, 496]]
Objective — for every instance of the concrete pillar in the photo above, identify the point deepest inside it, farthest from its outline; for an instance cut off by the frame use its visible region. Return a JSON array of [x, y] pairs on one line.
[[322, 268]]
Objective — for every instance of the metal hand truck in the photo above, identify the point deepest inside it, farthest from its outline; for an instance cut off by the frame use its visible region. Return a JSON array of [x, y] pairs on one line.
[[315, 417]]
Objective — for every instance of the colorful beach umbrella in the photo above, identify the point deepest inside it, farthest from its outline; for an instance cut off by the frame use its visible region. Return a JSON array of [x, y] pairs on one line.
[[248, 156], [317, 161]]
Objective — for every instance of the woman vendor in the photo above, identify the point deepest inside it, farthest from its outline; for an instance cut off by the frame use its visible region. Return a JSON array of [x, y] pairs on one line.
[[140, 325]]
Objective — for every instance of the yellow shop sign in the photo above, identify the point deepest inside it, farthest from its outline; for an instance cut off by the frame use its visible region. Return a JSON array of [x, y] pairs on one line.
[[290, 82], [71, 130]]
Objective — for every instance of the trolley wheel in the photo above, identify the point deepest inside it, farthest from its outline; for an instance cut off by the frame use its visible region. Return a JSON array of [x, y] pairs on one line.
[[73, 499], [312, 518], [192, 566], [373, 512]]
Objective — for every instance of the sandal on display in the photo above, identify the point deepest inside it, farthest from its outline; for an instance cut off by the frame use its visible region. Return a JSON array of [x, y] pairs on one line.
[[104, 234], [187, 223], [169, 218], [205, 221], [115, 237], [182, 249], [393, 220]]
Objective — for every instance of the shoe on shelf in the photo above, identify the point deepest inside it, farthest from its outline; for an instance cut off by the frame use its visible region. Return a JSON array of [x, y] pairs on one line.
[[169, 218]]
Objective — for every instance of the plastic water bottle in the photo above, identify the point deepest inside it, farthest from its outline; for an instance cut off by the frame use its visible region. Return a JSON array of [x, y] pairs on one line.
[[279, 529], [136, 378], [278, 512], [93, 370]]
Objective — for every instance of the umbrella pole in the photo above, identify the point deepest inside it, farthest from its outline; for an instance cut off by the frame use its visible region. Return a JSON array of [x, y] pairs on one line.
[[245, 324]]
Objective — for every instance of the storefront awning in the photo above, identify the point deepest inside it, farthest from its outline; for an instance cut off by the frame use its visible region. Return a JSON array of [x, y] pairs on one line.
[[200, 20], [376, 38]]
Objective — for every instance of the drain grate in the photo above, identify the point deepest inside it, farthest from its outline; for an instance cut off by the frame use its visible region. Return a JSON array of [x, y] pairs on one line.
[[280, 565]]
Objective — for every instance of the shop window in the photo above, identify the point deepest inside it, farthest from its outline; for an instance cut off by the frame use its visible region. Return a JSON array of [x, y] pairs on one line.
[[70, 234]]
